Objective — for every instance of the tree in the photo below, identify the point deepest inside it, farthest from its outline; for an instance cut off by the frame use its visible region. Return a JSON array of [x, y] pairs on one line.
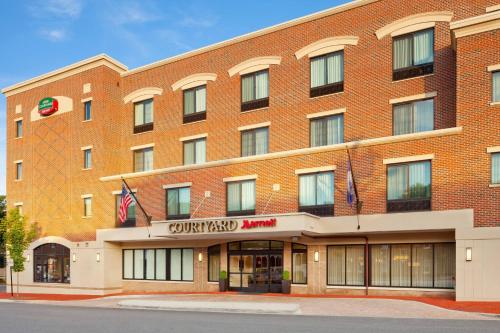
[[3, 206], [3, 209], [18, 236]]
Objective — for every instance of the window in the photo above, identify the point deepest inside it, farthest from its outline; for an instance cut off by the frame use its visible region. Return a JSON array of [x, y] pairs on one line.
[[495, 168], [178, 203], [87, 207], [409, 187], [316, 193], [143, 160], [19, 170], [158, 264], [87, 110], [241, 198], [255, 141], [413, 117], [130, 221], [195, 151], [413, 55], [327, 74], [413, 265], [143, 116], [213, 263], [299, 263], [346, 265], [19, 129], [87, 159], [255, 90], [327, 130], [51, 264], [195, 104], [496, 87]]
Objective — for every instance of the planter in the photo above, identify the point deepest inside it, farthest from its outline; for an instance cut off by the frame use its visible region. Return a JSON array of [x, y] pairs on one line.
[[223, 285], [286, 286]]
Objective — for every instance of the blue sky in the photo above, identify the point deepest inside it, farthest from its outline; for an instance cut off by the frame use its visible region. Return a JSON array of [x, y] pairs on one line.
[[43, 35]]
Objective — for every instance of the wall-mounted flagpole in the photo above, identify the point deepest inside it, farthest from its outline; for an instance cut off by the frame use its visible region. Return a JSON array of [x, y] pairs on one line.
[[149, 218], [351, 187]]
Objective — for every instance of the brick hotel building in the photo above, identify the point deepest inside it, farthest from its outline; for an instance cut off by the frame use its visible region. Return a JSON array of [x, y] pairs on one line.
[[239, 152]]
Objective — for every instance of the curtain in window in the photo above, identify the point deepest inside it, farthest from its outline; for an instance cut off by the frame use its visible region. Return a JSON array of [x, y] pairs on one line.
[[402, 53], [233, 197], [200, 151], [247, 143], [128, 264], [201, 98], [422, 269], [335, 67], [247, 88], [355, 265], [139, 264], [400, 265], [420, 180], [424, 116], [184, 200], [318, 74], [397, 182], [175, 264], [334, 130], [138, 161], [173, 202], [189, 101], [139, 114], [403, 119], [248, 195], [336, 265], [307, 187], [261, 141], [496, 87], [423, 49], [214, 266], [299, 264], [189, 157], [148, 159], [380, 265], [262, 85], [150, 264], [187, 264], [444, 265], [324, 189], [87, 159], [161, 264], [87, 205], [317, 133], [148, 111], [495, 168]]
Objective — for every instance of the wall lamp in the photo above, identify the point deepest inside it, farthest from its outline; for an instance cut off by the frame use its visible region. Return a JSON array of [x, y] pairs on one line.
[[28, 258], [74, 257], [200, 257], [468, 254], [316, 256], [98, 257]]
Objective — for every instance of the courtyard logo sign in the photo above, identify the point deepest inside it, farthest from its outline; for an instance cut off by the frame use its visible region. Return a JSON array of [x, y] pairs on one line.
[[48, 106], [258, 224], [202, 227]]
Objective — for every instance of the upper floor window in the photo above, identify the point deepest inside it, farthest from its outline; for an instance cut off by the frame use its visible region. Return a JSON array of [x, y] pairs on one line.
[[413, 117], [19, 129], [495, 168], [241, 198], [409, 186], [413, 54], [327, 130], [87, 159], [143, 116], [178, 203], [255, 141], [195, 151], [87, 110], [19, 170], [255, 90], [87, 207], [195, 104], [327, 74], [130, 221], [316, 193], [143, 160], [496, 87]]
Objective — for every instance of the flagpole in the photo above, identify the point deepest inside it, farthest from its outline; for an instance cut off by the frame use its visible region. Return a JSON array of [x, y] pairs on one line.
[[358, 203], [148, 217]]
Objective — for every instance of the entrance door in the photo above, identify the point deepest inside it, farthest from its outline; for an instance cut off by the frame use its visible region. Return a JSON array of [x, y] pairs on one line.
[[241, 271]]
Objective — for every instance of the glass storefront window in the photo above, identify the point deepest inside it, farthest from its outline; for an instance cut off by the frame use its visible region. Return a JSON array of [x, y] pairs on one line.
[[299, 263], [346, 265], [51, 263]]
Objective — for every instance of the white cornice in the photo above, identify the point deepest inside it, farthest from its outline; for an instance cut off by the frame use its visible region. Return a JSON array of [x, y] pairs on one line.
[[193, 137], [413, 98], [194, 80], [254, 65], [142, 94], [326, 45], [491, 150], [253, 126], [317, 169], [148, 145], [411, 20], [178, 185], [406, 159], [325, 113], [239, 178]]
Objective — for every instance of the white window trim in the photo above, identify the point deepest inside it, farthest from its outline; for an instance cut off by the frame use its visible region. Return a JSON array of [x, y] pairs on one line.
[[493, 68], [142, 94], [87, 147], [315, 170], [326, 45], [17, 204], [406, 159], [178, 185], [87, 88], [134, 190], [88, 99], [85, 196], [326, 113], [193, 137], [492, 150], [193, 81], [492, 8], [254, 65], [413, 28], [413, 98], [19, 109], [254, 126], [18, 161], [17, 119], [239, 178], [148, 145]]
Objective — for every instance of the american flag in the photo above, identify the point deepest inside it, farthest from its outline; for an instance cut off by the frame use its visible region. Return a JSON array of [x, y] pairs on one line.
[[125, 201]]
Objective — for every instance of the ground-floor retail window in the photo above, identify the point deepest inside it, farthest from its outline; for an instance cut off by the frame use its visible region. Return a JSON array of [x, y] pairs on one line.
[[158, 264], [346, 265], [413, 265], [299, 263], [51, 263], [213, 263]]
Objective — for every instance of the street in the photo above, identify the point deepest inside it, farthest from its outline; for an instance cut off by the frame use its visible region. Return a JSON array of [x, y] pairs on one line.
[[27, 318]]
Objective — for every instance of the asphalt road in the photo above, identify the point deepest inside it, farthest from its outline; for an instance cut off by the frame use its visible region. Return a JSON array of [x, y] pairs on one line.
[[27, 318]]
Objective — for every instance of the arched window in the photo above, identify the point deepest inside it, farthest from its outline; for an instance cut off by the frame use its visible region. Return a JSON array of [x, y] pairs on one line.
[[51, 263]]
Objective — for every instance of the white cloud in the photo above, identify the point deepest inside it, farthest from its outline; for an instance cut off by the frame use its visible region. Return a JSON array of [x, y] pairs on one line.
[[54, 35], [70, 9], [132, 12]]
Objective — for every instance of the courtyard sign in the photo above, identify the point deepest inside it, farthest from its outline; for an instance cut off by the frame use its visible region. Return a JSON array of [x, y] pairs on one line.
[[214, 226], [48, 106]]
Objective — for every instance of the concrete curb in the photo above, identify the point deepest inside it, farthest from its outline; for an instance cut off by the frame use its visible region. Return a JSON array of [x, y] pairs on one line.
[[231, 307]]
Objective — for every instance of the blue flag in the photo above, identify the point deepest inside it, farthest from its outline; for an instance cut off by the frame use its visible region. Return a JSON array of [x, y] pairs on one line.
[[351, 193]]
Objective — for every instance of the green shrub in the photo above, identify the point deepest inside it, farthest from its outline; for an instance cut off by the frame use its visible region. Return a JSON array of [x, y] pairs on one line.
[[223, 275], [286, 275]]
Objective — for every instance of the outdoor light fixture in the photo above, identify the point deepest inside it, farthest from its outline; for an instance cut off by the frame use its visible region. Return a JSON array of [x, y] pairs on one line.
[[468, 254], [98, 257], [316, 256], [74, 257], [200, 257], [28, 258]]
